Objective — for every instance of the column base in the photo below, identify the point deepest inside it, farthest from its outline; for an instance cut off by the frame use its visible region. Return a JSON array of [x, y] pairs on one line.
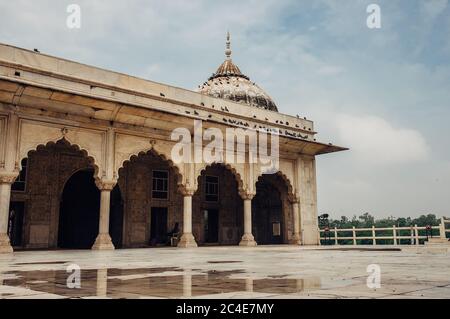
[[5, 245], [295, 240], [187, 241], [103, 242], [248, 241]]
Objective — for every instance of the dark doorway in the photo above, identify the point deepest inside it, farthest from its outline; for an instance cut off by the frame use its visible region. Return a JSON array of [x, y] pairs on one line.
[[267, 214], [158, 230], [211, 224], [79, 212], [15, 224], [116, 217]]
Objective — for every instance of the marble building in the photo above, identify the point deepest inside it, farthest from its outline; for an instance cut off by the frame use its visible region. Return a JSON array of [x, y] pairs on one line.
[[85, 161]]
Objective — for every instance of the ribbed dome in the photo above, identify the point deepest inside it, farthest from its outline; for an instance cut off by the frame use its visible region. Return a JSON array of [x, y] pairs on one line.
[[229, 83]]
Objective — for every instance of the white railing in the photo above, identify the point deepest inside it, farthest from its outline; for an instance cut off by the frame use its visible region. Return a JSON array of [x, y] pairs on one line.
[[398, 234]]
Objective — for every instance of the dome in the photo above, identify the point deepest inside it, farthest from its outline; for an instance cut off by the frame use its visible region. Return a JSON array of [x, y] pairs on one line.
[[229, 83]]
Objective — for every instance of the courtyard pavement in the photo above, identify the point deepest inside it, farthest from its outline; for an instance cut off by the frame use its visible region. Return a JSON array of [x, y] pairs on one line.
[[226, 272]]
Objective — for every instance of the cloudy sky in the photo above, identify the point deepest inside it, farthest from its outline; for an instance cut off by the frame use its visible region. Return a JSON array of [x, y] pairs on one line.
[[385, 93]]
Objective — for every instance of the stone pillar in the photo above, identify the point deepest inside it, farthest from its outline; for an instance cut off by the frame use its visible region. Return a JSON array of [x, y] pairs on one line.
[[6, 181], [103, 241], [442, 232], [247, 239], [296, 239], [187, 240], [307, 187], [8, 174]]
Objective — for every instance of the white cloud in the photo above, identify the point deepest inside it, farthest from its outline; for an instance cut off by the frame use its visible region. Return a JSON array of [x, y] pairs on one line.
[[376, 141]]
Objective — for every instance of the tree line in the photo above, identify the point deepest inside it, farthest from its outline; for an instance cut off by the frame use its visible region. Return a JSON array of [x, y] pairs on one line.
[[366, 220]]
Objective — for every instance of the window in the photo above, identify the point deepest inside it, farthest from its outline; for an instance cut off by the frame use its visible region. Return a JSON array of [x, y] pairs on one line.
[[160, 188], [212, 188], [21, 181]]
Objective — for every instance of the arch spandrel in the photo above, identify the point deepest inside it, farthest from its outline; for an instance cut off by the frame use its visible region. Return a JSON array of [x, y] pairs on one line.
[[128, 147], [286, 173], [238, 171], [73, 147], [91, 143]]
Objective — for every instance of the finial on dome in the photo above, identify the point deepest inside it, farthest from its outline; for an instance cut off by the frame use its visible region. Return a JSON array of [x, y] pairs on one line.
[[228, 48]]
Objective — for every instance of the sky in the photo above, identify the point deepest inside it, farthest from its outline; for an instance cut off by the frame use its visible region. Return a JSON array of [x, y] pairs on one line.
[[384, 93]]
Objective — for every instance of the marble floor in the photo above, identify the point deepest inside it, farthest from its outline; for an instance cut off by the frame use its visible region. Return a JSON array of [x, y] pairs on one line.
[[225, 272]]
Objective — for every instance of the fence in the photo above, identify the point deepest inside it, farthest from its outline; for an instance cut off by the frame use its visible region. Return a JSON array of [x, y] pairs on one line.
[[412, 235]]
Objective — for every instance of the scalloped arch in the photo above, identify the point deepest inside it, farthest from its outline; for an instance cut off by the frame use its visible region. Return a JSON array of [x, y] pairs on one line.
[[286, 181], [153, 151], [237, 176], [73, 146]]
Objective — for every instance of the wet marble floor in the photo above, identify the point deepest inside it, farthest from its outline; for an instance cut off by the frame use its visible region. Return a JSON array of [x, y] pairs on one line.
[[224, 272]]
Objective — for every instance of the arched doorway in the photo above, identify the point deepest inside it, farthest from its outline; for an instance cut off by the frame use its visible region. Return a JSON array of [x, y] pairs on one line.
[[79, 211], [152, 203], [270, 208], [217, 207], [37, 194]]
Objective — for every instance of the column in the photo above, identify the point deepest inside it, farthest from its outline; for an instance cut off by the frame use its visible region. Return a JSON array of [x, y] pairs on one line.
[[296, 239], [247, 239], [6, 181], [103, 241], [394, 233], [354, 236], [187, 240], [336, 241], [442, 232], [374, 236], [307, 188], [416, 234], [8, 175]]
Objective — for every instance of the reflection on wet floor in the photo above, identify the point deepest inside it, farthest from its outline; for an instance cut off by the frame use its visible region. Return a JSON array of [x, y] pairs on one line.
[[154, 282]]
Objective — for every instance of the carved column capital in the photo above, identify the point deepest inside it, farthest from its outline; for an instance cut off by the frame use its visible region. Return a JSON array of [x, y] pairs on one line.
[[187, 191], [8, 177], [105, 185], [247, 195]]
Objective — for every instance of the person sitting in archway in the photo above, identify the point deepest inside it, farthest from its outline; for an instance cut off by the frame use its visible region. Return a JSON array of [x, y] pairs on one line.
[[174, 233]]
